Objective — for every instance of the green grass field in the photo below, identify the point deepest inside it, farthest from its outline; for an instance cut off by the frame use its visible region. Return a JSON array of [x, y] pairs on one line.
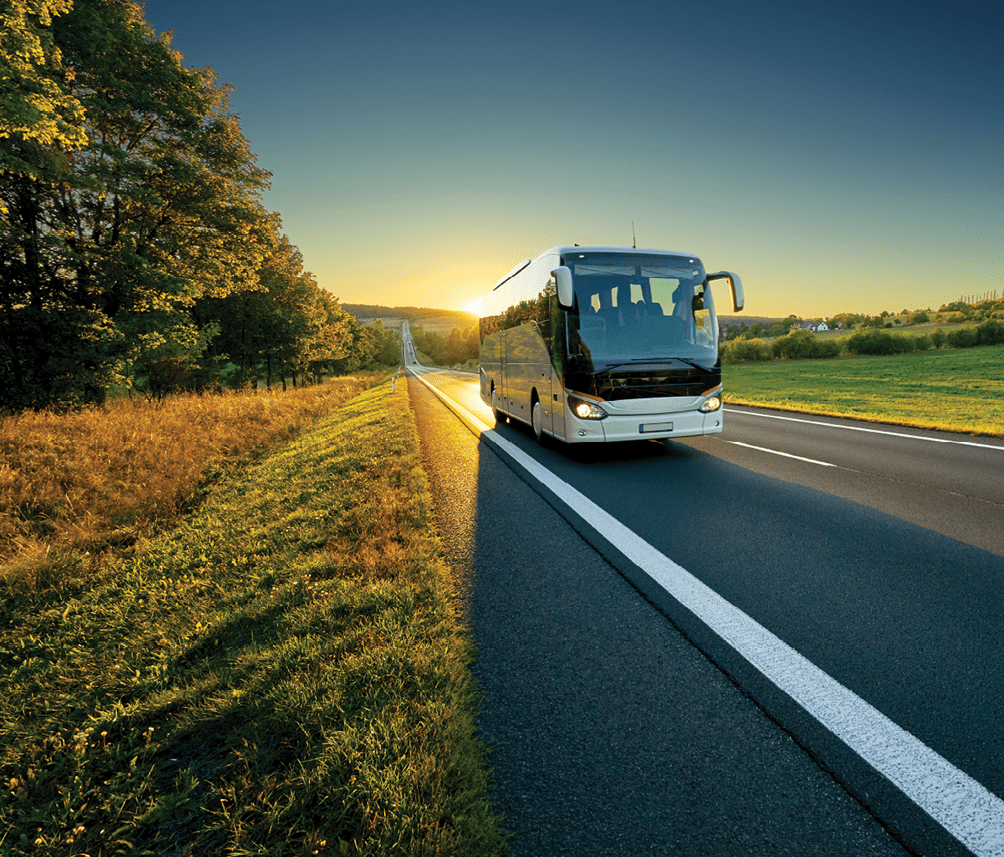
[[282, 672], [958, 390]]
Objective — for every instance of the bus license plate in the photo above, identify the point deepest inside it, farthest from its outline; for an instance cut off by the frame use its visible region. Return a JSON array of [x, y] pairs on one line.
[[650, 427]]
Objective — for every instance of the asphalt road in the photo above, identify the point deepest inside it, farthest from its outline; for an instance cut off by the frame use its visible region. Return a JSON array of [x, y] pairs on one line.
[[610, 733], [875, 553], [945, 482]]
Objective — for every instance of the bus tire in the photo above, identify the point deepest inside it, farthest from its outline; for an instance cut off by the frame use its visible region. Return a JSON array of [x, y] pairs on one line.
[[537, 416]]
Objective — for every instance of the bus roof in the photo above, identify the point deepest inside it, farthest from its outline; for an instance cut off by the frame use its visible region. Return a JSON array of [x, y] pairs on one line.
[[584, 249], [575, 248]]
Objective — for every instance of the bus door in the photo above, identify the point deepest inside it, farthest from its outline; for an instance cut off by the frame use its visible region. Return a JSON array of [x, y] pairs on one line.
[[556, 405], [546, 387]]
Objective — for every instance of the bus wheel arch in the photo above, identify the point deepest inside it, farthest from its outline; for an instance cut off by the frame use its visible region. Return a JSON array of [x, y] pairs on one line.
[[496, 412]]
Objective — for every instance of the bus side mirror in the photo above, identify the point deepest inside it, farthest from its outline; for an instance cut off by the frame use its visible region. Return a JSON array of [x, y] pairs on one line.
[[563, 278], [734, 283]]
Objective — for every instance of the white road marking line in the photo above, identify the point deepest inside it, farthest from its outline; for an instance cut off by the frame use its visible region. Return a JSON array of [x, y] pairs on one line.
[[869, 430], [956, 801], [778, 452]]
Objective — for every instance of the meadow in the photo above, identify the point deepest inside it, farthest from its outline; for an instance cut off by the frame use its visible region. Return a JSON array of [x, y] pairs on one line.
[[959, 390], [280, 671], [76, 485]]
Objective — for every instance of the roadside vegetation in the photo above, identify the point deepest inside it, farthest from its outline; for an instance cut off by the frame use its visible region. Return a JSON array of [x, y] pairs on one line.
[[76, 487], [942, 370], [282, 672], [459, 349], [137, 253], [969, 310], [966, 323], [806, 345]]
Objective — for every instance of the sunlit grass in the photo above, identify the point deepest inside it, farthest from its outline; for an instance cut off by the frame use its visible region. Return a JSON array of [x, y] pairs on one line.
[[74, 485], [282, 673], [958, 390]]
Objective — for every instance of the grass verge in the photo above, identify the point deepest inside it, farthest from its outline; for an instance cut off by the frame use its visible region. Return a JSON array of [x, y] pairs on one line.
[[79, 486], [282, 674], [959, 390]]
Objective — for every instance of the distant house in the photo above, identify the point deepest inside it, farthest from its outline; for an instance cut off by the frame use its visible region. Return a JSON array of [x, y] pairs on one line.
[[816, 328]]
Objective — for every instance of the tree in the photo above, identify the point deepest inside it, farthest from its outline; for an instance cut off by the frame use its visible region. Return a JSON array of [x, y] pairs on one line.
[[106, 247], [35, 102], [283, 326], [332, 347]]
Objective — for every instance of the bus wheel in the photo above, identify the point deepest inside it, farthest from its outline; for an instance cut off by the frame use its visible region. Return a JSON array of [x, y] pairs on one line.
[[537, 415]]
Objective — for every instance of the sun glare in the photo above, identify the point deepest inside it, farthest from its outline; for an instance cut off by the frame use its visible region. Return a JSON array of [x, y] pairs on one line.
[[474, 307]]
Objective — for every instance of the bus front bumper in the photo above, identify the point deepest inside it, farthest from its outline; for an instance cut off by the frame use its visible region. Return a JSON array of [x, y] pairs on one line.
[[617, 427]]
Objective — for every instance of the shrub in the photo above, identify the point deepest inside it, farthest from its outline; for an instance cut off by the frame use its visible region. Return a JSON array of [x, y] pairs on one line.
[[802, 345], [964, 337], [796, 345], [877, 342], [746, 351], [991, 332]]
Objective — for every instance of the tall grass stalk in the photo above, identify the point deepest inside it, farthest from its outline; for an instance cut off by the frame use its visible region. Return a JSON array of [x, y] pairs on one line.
[[73, 485], [281, 674]]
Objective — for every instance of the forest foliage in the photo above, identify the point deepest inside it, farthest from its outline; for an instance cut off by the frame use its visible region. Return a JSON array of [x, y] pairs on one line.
[[461, 345], [135, 249]]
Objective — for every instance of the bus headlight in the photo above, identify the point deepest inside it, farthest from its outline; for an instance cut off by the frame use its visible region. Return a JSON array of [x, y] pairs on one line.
[[586, 410], [712, 403]]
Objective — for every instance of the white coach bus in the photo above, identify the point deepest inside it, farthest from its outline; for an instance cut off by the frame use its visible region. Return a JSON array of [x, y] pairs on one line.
[[592, 344]]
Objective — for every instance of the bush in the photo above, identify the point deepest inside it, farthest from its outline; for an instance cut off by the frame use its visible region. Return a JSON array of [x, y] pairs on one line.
[[964, 337], [877, 342], [746, 351], [991, 332], [802, 345]]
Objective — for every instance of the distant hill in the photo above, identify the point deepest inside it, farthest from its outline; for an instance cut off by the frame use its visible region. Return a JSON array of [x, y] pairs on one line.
[[726, 321], [368, 311]]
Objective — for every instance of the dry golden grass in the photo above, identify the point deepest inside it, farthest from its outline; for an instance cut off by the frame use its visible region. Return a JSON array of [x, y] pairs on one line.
[[74, 485], [243, 684]]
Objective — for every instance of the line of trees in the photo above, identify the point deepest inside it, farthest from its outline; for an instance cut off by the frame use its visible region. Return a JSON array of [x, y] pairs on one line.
[[135, 251], [459, 346]]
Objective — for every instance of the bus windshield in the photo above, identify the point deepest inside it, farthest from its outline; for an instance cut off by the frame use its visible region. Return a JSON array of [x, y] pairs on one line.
[[638, 307]]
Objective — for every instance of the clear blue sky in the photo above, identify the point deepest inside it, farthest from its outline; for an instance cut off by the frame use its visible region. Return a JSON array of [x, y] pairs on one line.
[[839, 156]]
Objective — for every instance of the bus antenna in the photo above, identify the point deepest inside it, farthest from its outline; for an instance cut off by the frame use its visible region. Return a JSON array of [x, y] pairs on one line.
[[634, 241]]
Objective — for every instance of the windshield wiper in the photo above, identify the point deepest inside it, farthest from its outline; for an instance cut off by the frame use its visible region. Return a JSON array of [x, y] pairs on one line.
[[692, 363], [638, 360], [613, 366]]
